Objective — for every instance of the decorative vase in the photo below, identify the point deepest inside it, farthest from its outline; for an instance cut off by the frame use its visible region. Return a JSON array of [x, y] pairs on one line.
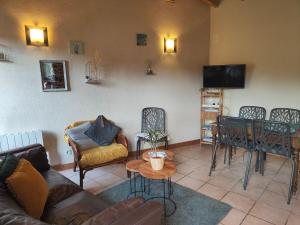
[[157, 163]]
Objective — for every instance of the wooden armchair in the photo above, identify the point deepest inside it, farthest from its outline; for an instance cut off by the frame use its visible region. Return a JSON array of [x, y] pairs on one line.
[[99, 156]]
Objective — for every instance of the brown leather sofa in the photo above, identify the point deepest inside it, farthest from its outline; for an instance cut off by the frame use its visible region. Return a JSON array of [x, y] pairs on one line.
[[69, 204]]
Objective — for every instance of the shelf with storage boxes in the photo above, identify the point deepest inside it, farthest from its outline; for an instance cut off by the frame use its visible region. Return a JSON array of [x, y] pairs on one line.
[[211, 107]]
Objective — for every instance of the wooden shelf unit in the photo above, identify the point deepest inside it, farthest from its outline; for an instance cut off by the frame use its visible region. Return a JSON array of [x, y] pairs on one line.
[[211, 107]]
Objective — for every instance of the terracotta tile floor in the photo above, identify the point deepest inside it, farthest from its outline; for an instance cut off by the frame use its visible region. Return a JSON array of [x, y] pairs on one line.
[[263, 203]]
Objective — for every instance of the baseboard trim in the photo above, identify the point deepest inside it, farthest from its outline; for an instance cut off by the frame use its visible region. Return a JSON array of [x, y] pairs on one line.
[[67, 166], [171, 146]]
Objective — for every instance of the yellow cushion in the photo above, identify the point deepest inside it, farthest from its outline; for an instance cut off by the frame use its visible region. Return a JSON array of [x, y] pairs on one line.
[[102, 154], [29, 188]]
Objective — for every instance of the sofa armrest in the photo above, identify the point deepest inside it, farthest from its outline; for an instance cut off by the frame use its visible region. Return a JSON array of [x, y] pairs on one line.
[[19, 150], [150, 213], [133, 211], [121, 139]]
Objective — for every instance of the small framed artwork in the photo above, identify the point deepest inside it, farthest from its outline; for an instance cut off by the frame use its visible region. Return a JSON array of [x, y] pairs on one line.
[[141, 39], [54, 75], [76, 47]]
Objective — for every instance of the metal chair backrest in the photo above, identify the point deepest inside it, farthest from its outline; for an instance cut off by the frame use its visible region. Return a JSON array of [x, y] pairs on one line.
[[252, 112], [232, 131], [273, 137], [286, 115], [153, 118]]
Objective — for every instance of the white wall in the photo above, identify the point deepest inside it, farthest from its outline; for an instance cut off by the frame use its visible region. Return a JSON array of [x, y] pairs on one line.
[[110, 26], [265, 35]]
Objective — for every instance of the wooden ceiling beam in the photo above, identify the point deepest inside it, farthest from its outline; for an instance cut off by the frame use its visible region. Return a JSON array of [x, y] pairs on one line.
[[214, 3]]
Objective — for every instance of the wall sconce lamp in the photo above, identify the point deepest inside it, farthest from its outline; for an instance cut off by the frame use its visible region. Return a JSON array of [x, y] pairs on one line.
[[170, 45], [36, 36]]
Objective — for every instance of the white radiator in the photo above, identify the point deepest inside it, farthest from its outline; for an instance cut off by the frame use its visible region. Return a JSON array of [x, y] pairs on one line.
[[10, 141]]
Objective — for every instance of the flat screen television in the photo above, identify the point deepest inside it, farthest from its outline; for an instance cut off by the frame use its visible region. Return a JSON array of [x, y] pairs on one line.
[[224, 76]]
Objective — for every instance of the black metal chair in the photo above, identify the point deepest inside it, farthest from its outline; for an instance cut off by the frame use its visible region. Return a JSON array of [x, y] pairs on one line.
[[274, 137], [232, 131], [286, 115], [153, 118], [252, 112]]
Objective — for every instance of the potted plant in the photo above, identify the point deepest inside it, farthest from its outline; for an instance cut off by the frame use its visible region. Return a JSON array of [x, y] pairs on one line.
[[157, 160]]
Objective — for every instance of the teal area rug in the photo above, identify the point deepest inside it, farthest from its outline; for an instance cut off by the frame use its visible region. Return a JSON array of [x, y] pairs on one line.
[[193, 208]]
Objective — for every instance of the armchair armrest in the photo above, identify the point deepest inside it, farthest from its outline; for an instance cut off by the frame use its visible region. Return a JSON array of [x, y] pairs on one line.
[[121, 139], [73, 145]]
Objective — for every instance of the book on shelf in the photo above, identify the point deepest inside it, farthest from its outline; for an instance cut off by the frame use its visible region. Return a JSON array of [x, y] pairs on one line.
[[207, 139], [210, 106], [210, 110]]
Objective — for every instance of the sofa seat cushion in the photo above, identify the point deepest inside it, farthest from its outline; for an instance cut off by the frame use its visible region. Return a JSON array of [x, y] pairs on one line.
[[102, 154], [74, 210], [54, 178], [59, 186]]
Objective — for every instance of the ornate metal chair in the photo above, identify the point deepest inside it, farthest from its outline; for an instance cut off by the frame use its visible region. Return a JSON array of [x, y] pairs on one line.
[[153, 118], [252, 112], [286, 115], [274, 137], [232, 131]]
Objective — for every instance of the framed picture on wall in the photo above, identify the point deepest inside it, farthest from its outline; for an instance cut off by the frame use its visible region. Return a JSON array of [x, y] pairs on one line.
[[54, 75], [141, 39], [76, 47]]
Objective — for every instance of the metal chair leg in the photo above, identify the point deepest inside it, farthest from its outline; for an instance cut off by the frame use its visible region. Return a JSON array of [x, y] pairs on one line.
[[166, 143], [225, 154], [293, 173], [229, 155], [261, 163], [248, 166], [138, 148], [214, 158], [257, 161]]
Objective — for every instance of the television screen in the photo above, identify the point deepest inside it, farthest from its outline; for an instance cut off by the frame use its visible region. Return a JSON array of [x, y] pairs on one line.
[[224, 76]]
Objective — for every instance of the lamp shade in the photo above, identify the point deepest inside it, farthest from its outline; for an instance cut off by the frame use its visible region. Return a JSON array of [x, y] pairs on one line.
[[170, 45], [36, 36]]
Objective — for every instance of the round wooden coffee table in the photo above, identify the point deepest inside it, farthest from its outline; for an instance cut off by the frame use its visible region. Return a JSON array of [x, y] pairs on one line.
[[164, 176], [132, 167], [170, 155]]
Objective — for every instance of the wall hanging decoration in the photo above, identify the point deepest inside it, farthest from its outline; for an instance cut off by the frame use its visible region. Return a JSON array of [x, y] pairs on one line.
[[149, 70], [92, 69], [54, 75], [36, 36], [3, 53], [76, 47], [170, 45], [141, 39]]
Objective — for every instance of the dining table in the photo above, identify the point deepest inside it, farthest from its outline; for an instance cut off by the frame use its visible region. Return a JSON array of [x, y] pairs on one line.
[[295, 142]]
